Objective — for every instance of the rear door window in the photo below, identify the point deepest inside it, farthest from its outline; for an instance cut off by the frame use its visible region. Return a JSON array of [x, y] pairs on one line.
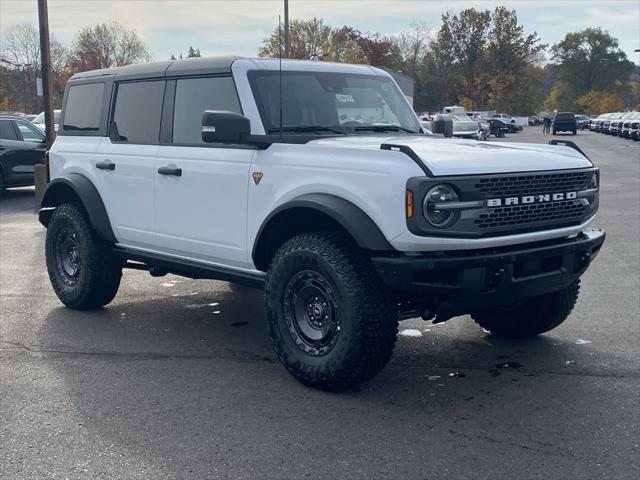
[[137, 111], [29, 133], [83, 109]]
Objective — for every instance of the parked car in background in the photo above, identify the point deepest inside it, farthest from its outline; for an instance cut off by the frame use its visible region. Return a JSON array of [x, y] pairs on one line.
[[583, 121], [534, 120], [39, 120], [30, 117], [21, 147], [498, 128], [606, 122], [502, 116], [594, 126], [616, 123], [564, 122], [634, 133], [465, 127], [624, 128]]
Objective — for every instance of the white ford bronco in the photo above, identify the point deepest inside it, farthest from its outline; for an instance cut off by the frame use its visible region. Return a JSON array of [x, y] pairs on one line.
[[315, 182]]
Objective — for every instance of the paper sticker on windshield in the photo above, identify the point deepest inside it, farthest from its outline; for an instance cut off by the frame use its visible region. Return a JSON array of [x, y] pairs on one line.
[[344, 98]]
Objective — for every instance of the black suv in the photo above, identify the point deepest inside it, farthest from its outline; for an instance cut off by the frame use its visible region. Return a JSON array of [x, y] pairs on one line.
[[565, 122], [21, 147]]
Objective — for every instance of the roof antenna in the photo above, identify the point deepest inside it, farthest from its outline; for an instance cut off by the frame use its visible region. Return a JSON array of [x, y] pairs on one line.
[[280, 69]]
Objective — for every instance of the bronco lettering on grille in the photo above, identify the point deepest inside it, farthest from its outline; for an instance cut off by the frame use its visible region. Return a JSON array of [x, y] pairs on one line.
[[539, 198]]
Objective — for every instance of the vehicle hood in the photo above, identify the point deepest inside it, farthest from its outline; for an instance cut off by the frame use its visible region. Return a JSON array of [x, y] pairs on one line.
[[447, 156]]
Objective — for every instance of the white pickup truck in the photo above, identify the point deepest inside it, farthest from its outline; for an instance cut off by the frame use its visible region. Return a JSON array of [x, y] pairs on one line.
[[315, 182]]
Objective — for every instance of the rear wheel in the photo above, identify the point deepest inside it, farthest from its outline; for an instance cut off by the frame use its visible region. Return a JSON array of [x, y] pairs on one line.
[[83, 272], [329, 318], [575, 132], [533, 317]]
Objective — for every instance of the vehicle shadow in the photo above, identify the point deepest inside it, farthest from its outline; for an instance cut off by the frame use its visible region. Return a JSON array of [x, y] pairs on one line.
[[189, 383]]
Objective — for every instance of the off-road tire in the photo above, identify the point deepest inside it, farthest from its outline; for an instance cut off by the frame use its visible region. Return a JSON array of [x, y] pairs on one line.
[[98, 272], [367, 318], [536, 316]]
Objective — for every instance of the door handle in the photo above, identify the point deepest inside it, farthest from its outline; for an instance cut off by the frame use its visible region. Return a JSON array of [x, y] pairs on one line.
[[106, 165], [176, 172]]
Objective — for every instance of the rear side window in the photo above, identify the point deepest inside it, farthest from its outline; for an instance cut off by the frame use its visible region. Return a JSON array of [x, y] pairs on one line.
[[83, 109], [7, 132], [137, 112], [193, 97], [29, 133]]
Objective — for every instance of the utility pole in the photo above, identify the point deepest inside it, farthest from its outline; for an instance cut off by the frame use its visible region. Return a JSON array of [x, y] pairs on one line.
[[41, 171], [286, 28]]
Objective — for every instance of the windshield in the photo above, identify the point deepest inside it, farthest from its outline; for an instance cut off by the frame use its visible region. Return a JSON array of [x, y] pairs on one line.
[[40, 117], [331, 102]]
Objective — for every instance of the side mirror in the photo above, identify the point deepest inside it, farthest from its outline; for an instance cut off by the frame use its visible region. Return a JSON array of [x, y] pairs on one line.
[[224, 127], [443, 124]]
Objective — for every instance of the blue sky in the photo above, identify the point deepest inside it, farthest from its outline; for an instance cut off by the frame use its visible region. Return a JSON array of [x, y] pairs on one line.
[[237, 27]]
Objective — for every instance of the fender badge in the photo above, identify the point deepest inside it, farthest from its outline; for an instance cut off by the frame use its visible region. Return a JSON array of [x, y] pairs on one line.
[[257, 176]]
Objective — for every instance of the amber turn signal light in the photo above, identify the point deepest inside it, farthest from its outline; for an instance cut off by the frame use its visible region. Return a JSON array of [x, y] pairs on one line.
[[409, 204]]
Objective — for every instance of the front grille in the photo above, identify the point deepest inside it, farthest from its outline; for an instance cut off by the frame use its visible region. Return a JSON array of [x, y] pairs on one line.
[[523, 215], [532, 184]]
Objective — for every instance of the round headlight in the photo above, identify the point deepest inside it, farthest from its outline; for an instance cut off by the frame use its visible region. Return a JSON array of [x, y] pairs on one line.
[[436, 198]]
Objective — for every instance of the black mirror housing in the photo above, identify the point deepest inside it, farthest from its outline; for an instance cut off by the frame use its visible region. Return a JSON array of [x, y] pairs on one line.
[[220, 126]]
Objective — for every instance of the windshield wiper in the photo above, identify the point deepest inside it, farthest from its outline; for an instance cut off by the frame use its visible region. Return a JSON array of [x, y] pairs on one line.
[[306, 129], [384, 128]]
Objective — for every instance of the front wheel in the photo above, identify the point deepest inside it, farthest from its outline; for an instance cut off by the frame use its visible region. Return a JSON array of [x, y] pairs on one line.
[[536, 316], [330, 321], [81, 267], [575, 132]]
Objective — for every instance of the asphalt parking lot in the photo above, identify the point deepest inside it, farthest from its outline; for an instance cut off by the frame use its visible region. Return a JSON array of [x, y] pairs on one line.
[[176, 378]]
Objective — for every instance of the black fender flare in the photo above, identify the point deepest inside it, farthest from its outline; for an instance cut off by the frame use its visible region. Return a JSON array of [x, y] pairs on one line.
[[75, 186], [349, 216]]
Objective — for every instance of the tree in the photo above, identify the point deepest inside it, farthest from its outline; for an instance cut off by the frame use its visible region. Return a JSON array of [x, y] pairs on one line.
[[558, 99], [308, 40], [21, 59], [613, 103], [193, 53], [105, 45], [591, 60], [591, 102]]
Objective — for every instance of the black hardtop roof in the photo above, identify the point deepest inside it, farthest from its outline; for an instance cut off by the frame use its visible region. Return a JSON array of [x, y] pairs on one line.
[[169, 68]]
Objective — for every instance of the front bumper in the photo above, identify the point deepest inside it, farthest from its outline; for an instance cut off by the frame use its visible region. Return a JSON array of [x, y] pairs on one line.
[[459, 282]]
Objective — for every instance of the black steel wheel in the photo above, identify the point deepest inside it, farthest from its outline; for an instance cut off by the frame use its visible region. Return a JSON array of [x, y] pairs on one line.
[[67, 255], [83, 272], [330, 320], [312, 312]]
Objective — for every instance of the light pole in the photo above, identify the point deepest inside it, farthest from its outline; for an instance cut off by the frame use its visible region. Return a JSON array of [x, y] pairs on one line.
[[41, 171], [286, 28]]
